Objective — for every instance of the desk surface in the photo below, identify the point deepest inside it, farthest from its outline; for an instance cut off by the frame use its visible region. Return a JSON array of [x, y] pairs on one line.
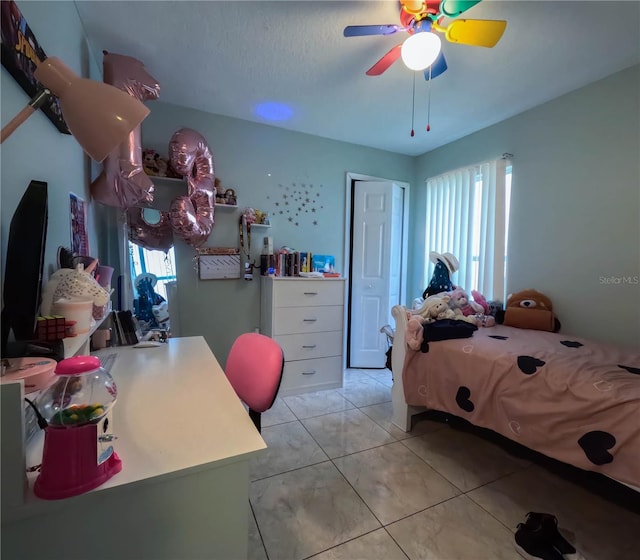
[[176, 413], [175, 410]]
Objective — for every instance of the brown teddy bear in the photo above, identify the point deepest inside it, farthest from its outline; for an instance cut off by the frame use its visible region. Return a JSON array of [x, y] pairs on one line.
[[530, 309]]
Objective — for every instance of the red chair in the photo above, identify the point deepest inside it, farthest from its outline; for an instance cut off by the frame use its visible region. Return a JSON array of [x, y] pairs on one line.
[[254, 369]]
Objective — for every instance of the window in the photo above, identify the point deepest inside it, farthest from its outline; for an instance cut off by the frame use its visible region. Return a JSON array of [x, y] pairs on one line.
[[468, 215], [156, 262]]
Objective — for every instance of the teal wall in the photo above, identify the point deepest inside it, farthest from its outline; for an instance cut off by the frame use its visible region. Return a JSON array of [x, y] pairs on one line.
[[262, 164], [575, 208]]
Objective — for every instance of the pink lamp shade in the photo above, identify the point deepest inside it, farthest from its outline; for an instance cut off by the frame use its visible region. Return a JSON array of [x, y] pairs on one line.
[[99, 115]]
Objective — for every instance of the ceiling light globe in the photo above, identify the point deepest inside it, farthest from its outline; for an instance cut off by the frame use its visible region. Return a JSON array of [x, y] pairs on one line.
[[420, 50]]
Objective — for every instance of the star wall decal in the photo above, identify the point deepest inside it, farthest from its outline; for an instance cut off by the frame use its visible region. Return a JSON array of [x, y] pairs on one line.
[[300, 196]]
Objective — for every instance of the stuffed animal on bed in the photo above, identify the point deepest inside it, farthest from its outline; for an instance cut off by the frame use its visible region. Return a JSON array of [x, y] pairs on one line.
[[434, 308], [480, 300], [469, 311], [530, 309], [460, 302], [414, 334], [434, 320]]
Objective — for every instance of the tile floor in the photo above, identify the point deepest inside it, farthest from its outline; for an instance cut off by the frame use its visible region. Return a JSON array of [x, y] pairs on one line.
[[340, 482]]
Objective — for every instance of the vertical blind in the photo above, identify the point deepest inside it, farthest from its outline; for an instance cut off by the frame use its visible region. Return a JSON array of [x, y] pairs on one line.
[[467, 215]]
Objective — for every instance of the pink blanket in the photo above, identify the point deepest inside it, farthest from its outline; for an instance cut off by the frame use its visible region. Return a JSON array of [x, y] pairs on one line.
[[569, 398]]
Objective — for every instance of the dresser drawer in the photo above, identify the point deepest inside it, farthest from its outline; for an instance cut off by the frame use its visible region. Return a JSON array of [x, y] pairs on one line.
[[311, 345], [308, 293], [311, 375], [293, 320]]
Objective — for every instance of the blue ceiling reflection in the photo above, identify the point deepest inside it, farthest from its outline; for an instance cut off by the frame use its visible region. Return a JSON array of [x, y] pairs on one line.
[[272, 111]]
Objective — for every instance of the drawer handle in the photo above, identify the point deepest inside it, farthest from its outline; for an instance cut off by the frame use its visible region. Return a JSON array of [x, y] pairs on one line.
[[309, 372], [309, 320], [309, 346], [310, 293]]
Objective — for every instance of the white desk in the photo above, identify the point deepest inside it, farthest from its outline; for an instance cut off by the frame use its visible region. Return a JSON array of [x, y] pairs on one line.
[[185, 441]]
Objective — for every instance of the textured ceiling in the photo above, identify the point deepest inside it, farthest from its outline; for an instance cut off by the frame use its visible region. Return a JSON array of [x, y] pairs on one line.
[[226, 57]]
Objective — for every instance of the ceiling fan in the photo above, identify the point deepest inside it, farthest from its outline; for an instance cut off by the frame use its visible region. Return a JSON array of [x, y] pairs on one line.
[[421, 19]]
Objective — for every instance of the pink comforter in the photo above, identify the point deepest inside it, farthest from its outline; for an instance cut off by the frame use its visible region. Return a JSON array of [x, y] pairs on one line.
[[566, 397]]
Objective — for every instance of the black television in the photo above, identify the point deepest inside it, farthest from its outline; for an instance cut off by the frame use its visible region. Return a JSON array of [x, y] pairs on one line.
[[24, 266]]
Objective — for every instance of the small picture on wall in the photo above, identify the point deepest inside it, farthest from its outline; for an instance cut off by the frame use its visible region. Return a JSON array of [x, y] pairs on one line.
[[21, 53], [79, 238]]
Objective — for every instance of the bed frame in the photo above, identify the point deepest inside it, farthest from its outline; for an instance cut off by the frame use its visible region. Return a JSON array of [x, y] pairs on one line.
[[402, 412]]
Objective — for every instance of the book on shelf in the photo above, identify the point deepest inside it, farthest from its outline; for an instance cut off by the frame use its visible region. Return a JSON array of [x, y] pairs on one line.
[[129, 327], [267, 262], [124, 328], [295, 263], [305, 262], [118, 332]]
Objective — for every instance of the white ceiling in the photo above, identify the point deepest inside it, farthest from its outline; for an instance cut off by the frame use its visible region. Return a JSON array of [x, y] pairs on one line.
[[225, 57]]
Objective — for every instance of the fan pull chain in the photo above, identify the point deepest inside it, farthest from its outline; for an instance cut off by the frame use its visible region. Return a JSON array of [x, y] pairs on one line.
[[429, 103], [413, 105]]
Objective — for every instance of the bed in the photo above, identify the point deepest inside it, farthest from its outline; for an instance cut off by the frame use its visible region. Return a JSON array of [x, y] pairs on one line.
[[568, 398]]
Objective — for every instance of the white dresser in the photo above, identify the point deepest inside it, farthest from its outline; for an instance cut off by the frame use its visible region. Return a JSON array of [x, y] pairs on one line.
[[305, 316]]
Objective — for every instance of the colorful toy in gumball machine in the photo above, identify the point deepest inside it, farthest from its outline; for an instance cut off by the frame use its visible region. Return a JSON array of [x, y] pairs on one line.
[[75, 410]]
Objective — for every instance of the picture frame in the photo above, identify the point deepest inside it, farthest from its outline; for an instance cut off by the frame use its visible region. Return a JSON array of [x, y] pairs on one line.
[[78, 215], [21, 52]]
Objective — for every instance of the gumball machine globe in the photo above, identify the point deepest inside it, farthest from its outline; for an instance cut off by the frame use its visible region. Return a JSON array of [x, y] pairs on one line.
[[77, 455]]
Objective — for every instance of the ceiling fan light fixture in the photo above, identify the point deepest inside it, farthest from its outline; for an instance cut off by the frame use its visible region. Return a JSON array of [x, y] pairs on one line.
[[421, 50]]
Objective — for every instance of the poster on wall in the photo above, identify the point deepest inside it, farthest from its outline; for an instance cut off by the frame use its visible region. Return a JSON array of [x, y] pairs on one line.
[[79, 238], [21, 53]]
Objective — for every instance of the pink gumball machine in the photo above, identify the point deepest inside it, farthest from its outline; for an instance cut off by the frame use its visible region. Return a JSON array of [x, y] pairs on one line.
[[78, 455]]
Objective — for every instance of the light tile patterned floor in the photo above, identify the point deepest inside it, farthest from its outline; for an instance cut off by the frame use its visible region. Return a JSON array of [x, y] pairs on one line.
[[340, 482]]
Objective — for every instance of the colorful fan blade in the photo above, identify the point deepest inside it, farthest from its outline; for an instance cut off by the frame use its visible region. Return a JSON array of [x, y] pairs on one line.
[[386, 61], [437, 68], [453, 8], [414, 7], [362, 30], [476, 32]]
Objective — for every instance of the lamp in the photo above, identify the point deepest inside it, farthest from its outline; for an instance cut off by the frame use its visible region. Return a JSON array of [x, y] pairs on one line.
[[99, 115], [420, 50]]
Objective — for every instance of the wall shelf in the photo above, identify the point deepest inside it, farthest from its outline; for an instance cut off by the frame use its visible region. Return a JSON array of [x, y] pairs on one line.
[[169, 179], [183, 181]]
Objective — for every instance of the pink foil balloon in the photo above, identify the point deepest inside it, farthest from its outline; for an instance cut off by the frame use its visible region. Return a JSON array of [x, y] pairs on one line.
[[192, 216], [155, 237], [123, 182]]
